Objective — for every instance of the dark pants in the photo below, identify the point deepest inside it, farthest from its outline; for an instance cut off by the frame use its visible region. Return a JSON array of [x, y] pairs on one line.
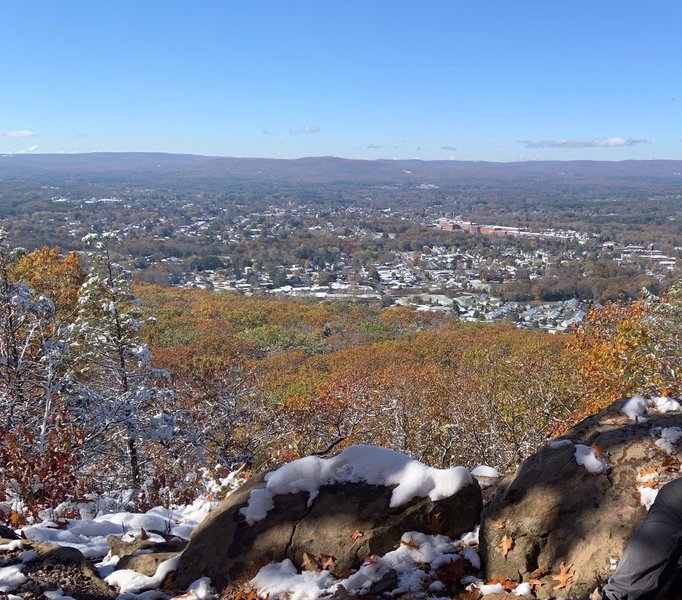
[[653, 551]]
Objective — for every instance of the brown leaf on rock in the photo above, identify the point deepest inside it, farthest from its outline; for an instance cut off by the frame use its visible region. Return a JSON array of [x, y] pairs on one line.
[[649, 471], [500, 523], [143, 534], [670, 463], [373, 559], [310, 563], [357, 534], [564, 577], [652, 483], [506, 545], [435, 526], [506, 583], [541, 572], [328, 561], [598, 452], [473, 594]]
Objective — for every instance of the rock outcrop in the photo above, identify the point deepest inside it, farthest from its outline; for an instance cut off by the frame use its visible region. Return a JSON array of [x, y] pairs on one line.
[[555, 510], [343, 525]]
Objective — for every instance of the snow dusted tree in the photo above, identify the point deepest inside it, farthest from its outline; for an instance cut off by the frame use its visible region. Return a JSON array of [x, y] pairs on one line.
[[120, 403], [35, 438]]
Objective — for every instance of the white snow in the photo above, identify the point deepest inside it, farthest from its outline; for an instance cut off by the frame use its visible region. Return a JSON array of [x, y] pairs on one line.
[[647, 496], [90, 535], [635, 408], [669, 436], [556, 444], [586, 456], [57, 594], [129, 581], [369, 464], [523, 589], [13, 545], [415, 551], [201, 589], [664, 404], [11, 578], [485, 471]]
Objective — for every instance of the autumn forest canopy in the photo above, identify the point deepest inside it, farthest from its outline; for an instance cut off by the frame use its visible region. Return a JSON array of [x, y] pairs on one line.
[[106, 385]]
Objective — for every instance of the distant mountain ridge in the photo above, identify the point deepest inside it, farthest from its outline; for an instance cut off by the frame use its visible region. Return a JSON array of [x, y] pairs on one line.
[[184, 167]]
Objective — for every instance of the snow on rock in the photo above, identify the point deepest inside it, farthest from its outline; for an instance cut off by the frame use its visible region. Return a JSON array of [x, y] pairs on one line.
[[90, 535], [57, 594], [669, 436], [587, 457], [11, 578], [279, 580], [556, 444], [10, 546], [129, 581], [485, 471], [635, 408], [201, 589], [664, 404], [647, 496], [408, 560], [369, 464], [523, 589]]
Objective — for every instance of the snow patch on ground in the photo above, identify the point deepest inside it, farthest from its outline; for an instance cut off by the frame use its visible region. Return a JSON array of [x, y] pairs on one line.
[[368, 464], [129, 581], [416, 549]]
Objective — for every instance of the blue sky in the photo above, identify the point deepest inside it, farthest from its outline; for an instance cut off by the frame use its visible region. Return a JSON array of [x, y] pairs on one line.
[[481, 80]]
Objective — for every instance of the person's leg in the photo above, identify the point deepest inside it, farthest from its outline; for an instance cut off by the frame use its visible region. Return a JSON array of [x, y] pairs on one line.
[[653, 550]]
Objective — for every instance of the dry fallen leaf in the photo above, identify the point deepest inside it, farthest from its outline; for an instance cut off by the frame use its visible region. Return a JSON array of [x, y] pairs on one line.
[[357, 534], [506, 583], [670, 463], [435, 527], [452, 572], [598, 452], [652, 483], [143, 534], [499, 524], [649, 471], [410, 544], [506, 545], [473, 594], [310, 563], [564, 577], [328, 561]]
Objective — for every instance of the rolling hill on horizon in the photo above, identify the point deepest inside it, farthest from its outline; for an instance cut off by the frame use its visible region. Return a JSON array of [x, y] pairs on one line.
[[167, 168]]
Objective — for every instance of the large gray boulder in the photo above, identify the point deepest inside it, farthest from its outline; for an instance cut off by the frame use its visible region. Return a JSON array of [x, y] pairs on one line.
[[343, 525], [555, 510]]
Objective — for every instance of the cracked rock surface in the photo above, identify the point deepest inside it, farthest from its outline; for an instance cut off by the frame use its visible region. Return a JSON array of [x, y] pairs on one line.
[[557, 511], [347, 522]]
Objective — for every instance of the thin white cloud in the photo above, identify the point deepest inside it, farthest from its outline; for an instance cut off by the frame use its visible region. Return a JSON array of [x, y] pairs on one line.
[[20, 133], [450, 148], [308, 129], [612, 142], [23, 150]]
